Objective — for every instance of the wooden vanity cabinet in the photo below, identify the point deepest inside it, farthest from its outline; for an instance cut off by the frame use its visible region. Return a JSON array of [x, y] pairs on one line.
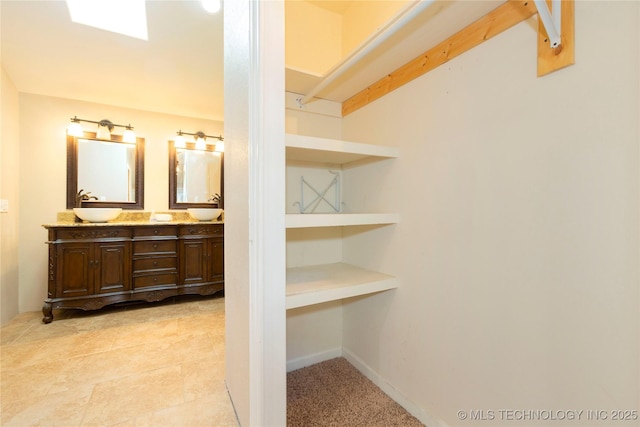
[[202, 255], [155, 259], [94, 266]]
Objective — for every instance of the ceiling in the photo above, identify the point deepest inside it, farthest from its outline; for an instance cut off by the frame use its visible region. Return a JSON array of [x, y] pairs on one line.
[[179, 70], [337, 6]]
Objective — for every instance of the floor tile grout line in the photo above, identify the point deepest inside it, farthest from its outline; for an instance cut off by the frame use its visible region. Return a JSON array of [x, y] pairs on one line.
[[86, 405]]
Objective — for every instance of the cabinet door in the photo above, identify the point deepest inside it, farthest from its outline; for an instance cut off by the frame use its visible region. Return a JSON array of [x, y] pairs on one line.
[[216, 260], [193, 263], [74, 270], [112, 264]]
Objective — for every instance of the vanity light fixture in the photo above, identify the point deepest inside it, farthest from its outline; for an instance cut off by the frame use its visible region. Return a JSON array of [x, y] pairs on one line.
[[200, 140], [104, 129], [129, 135], [179, 141], [74, 128]]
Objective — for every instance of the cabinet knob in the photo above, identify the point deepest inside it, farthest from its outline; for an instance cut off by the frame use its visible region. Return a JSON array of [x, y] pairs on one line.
[[155, 279], [155, 263], [155, 232], [155, 246]]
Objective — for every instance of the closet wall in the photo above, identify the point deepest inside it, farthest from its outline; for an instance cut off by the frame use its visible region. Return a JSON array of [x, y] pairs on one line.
[[517, 249], [314, 333]]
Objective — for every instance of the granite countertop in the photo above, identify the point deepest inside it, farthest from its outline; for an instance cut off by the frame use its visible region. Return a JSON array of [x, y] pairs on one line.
[[69, 219]]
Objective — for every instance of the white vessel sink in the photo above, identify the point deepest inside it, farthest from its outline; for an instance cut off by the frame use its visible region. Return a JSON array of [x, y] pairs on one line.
[[97, 214], [204, 214]]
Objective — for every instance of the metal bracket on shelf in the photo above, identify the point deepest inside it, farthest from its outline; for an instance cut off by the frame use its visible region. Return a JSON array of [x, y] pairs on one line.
[[550, 21], [320, 196]]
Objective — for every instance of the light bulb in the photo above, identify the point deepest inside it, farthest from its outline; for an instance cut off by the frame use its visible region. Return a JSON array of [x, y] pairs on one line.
[[74, 129], [220, 146], [129, 135], [201, 144], [179, 141], [103, 133]]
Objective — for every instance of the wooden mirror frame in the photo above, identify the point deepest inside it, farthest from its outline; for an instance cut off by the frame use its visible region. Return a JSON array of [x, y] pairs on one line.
[[173, 182], [72, 174]]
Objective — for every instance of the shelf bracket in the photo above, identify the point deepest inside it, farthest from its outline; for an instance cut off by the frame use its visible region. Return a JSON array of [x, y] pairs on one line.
[[552, 21], [556, 38], [320, 196]]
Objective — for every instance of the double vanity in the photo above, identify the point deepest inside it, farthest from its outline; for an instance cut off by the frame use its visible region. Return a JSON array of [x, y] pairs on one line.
[[134, 255], [92, 265]]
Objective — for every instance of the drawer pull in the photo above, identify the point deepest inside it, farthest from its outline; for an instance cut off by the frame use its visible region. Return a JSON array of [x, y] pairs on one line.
[[155, 263], [155, 232], [155, 246]]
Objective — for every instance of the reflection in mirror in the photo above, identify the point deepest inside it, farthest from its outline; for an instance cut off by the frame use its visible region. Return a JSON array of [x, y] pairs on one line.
[[107, 169], [109, 172], [195, 177]]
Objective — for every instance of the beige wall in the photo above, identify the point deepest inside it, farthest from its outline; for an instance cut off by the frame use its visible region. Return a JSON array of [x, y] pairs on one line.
[[9, 171], [42, 178], [517, 249]]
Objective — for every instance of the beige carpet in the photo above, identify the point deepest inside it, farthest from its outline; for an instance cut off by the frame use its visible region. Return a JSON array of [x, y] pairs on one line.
[[334, 393]]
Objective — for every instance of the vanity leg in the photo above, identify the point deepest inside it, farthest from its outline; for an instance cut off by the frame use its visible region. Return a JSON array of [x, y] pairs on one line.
[[47, 310]]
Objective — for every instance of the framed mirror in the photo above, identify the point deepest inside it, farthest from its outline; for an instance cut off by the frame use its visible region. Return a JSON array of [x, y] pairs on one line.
[[111, 171], [196, 177]]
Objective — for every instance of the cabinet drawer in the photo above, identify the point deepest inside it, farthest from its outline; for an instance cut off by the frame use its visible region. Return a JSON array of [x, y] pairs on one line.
[[154, 247], [202, 230], [154, 280], [80, 233], [154, 231], [151, 264]]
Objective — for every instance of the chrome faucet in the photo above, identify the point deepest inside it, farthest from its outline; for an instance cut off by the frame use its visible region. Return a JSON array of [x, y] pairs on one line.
[[83, 197], [216, 198]]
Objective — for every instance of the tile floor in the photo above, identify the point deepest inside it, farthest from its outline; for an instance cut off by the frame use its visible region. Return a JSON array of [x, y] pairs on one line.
[[139, 365]]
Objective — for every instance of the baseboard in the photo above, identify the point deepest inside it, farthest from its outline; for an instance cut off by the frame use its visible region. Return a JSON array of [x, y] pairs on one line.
[[391, 391], [312, 359]]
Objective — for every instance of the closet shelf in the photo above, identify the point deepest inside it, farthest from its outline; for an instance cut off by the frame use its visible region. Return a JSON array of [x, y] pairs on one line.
[[333, 151], [441, 20], [339, 220], [328, 282]]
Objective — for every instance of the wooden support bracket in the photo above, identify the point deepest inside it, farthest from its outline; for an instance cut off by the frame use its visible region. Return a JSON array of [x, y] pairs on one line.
[[495, 22], [551, 59]]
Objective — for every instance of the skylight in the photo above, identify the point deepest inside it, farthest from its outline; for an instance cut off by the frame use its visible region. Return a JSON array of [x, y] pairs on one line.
[[126, 17], [212, 6]]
